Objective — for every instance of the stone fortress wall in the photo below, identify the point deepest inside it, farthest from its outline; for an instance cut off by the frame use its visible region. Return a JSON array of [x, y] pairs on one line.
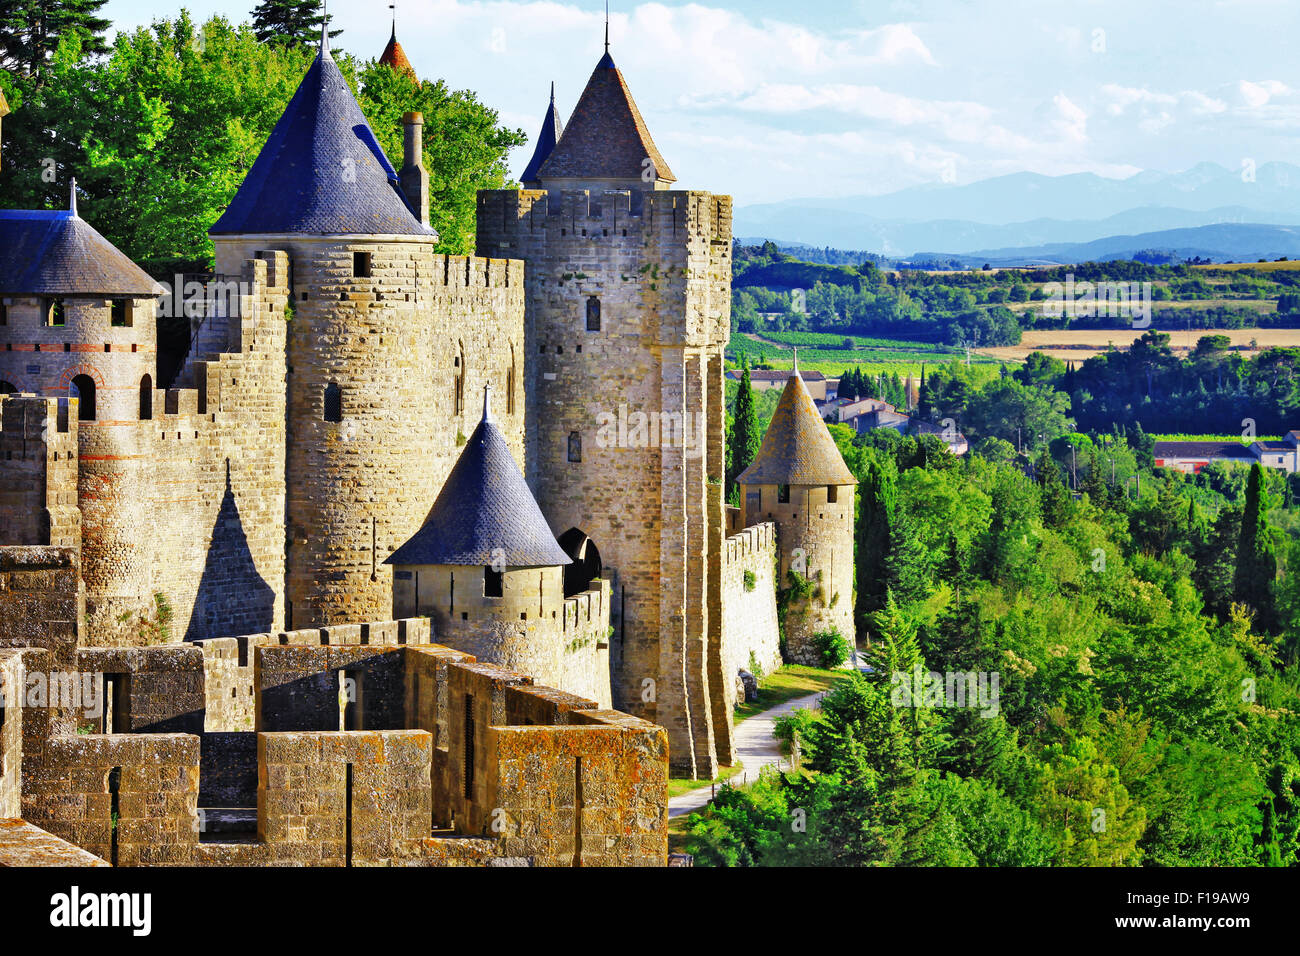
[[408, 338], [180, 492], [628, 314], [751, 635], [532, 628], [816, 541], [446, 762]]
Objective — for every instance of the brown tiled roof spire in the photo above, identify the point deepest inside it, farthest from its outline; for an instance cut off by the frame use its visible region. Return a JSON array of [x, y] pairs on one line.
[[797, 449], [606, 137], [395, 57]]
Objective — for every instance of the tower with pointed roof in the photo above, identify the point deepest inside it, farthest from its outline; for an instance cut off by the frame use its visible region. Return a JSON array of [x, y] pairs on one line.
[[387, 338], [394, 57], [550, 133], [799, 481], [628, 299], [486, 568]]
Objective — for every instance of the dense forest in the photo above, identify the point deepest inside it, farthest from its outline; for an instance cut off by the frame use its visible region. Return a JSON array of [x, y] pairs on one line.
[[1143, 627]]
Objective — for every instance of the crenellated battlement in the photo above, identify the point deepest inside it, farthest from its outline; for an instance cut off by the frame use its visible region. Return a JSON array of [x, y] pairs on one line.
[[759, 539], [515, 220], [38, 471]]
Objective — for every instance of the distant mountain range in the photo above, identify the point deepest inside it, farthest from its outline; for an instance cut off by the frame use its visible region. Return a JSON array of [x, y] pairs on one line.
[[1230, 242], [1025, 213]]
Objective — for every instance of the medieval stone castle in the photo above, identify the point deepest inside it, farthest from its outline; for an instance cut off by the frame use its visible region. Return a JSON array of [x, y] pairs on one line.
[[296, 590]]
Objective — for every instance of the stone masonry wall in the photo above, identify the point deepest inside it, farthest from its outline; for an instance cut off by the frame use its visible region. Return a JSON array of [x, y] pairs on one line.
[[12, 686], [181, 494], [531, 629], [752, 639], [42, 601], [817, 534], [38, 471], [409, 348], [659, 275]]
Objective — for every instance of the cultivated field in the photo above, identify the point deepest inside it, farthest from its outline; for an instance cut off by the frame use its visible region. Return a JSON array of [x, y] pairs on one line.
[[1076, 345]]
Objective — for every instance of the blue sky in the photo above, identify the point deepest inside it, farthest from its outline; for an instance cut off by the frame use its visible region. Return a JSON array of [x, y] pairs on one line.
[[771, 101]]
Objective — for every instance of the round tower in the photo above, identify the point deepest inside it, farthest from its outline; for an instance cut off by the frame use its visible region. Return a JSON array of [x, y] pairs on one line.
[[363, 418], [77, 319], [488, 571], [799, 481]]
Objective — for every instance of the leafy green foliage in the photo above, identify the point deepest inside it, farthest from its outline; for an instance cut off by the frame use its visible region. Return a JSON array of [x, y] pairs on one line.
[[161, 132], [1145, 712]]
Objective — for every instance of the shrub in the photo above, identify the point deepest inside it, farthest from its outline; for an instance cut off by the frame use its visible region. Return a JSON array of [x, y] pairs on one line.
[[832, 647], [751, 580]]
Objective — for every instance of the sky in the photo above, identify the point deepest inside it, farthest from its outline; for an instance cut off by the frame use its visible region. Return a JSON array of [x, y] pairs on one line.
[[770, 101]]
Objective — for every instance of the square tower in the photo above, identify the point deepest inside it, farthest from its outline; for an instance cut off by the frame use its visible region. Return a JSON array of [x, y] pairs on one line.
[[628, 313]]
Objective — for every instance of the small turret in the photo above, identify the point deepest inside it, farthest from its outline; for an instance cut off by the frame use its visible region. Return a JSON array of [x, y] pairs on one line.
[[489, 572], [552, 130], [799, 481], [394, 57]]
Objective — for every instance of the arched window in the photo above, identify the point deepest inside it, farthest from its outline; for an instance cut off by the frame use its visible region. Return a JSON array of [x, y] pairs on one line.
[[333, 402], [593, 314], [575, 446], [586, 566], [83, 388], [146, 398]]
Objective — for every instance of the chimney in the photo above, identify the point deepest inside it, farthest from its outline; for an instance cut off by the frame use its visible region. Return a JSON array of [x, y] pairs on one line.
[[414, 177]]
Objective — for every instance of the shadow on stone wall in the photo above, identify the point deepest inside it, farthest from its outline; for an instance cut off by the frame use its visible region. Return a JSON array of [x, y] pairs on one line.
[[232, 598]]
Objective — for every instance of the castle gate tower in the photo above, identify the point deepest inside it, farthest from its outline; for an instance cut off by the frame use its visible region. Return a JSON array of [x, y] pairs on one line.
[[386, 341], [799, 481], [628, 292]]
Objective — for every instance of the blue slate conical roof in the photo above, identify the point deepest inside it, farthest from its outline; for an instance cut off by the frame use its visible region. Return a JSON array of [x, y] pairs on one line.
[[321, 171], [485, 514], [552, 130]]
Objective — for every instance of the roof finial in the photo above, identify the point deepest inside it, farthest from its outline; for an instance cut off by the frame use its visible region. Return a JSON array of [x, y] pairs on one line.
[[795, 373], [72, 199], [552, 92], [487, 403], [325, 31], [606, 26], [393, 7]]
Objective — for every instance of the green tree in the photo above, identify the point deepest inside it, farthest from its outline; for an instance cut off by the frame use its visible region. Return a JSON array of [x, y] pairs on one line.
[[1055, 497], [877, 517], [30, 31], [1008, 410], [1254, 583], [289, 21], [161, 133], [745, 439], [466, 148]]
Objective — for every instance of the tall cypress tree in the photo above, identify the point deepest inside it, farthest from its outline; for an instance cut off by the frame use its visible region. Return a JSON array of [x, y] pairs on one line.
[[744, 432], [289, 21], [30, 31], [1053, 494], [1253, 584], [877, 517]]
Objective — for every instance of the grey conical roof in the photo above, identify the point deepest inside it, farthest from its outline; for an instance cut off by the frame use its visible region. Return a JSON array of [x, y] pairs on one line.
[[57, 253], [321, 171], [485, 514], [797, 449], [552, 130]]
